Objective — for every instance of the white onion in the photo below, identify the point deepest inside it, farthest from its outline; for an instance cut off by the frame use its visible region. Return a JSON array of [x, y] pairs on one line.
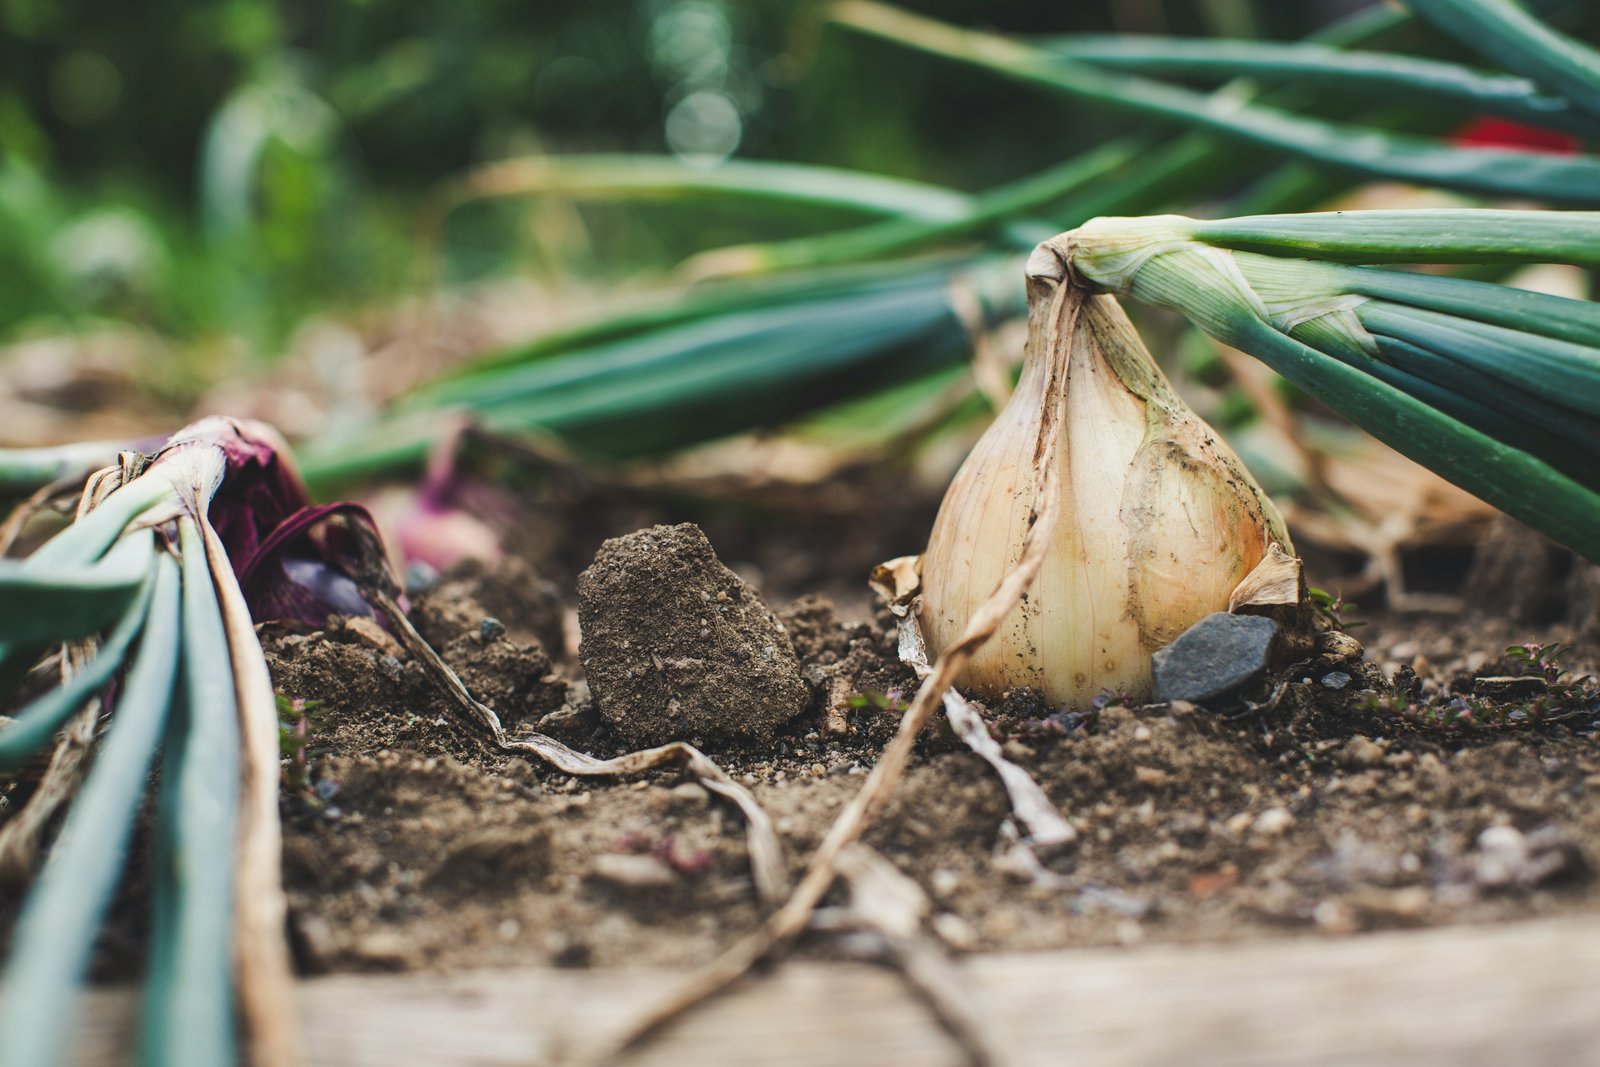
[[1159, 519]]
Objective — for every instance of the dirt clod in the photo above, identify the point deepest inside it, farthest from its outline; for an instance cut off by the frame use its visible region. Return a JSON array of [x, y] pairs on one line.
[[677, 647]]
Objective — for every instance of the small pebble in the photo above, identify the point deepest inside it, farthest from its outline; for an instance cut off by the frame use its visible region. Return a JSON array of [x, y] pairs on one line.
[[955, 931], [1153, 777], [1272, 822], [1335, 917], [1337, 645], [491, 629], [1214, 660], [633, 872], [1335, 680]]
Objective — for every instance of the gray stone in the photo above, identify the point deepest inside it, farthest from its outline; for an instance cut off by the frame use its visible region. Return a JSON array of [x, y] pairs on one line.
[[1335, 680], [1215, 659]]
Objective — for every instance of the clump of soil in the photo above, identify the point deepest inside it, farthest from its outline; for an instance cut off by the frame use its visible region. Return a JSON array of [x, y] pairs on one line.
[[677, 647]]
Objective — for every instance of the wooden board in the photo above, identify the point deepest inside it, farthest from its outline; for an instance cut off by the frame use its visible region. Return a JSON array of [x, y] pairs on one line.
[[1519, 994]]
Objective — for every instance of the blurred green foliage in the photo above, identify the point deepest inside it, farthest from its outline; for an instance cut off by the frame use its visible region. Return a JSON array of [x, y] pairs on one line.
[[231, 168]]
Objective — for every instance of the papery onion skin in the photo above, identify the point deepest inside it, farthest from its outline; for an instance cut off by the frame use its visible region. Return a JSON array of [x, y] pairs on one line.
[[1160, 521]]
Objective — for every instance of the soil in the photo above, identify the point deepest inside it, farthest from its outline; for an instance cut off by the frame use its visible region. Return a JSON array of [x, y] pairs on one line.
[[1371, 790]]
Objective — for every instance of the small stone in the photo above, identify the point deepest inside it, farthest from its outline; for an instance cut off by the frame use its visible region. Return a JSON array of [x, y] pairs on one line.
[[491, 629], [1335, 680], [1239, 824], [1509, 688], [1335, 917], [1361, 751], [1337, 645], [1215, 659], [944, 882], [1272, 822], [420, 577], [1406, 905], [955, 931], [1154, 777], [633, 872]]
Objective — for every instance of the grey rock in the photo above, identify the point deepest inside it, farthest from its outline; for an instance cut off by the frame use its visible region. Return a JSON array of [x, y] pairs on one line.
[[1215, 659], [1335, 680]]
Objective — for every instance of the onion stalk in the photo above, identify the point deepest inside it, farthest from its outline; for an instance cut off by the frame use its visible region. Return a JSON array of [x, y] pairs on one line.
[[152, 589]]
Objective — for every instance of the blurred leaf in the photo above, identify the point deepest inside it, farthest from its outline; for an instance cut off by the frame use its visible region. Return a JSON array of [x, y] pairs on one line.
[[1515, 38], [1559, 179], [1382, 75]]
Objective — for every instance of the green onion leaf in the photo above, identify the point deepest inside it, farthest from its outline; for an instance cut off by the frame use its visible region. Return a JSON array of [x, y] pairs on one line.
[[61, 918], [61, 603], [34, 725], [188, 999]]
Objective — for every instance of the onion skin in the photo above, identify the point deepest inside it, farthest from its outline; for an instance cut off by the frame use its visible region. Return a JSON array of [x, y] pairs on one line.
[[1159, 519]]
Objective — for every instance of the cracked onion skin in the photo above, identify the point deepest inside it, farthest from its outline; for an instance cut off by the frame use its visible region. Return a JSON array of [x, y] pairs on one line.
[[1159, 519]]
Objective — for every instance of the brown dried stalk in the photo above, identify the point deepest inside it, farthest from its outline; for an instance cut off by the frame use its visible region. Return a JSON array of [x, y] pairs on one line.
[[894, 907], [21, 835]]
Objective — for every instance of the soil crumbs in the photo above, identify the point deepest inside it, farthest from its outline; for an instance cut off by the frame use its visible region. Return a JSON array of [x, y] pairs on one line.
[[1375, 792]]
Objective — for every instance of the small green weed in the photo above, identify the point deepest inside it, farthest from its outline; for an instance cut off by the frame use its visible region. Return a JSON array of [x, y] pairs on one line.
[[295, 717]]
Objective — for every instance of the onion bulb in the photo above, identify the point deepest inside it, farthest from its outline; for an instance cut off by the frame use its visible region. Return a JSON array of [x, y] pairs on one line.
[[1159, 521]]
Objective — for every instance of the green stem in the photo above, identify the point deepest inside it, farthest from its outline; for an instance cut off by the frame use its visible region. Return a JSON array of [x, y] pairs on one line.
[[188, 999], [61, 918]]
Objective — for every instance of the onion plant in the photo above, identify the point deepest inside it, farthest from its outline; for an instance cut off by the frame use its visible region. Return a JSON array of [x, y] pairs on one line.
[[142, 612]]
